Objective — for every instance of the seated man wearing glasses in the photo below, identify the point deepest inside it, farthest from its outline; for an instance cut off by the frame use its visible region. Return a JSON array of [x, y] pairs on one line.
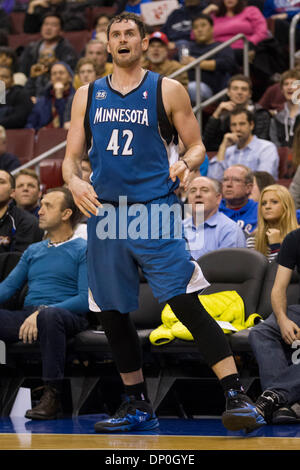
[[241, 146], [236, 202]]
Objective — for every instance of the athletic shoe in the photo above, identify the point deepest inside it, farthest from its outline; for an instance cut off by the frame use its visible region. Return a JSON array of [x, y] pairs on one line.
[[241, 413], [133, 415], [267, 403], [287, 414]]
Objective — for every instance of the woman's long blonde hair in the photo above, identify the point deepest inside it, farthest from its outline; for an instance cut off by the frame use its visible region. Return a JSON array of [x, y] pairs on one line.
[[287, 222]]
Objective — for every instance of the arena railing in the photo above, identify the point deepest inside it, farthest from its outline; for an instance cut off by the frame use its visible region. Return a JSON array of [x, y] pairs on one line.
[[199, 105], [197, 108], [292, 39]]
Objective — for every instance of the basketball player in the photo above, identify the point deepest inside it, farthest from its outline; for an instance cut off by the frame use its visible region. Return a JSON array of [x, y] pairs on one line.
[[131, 121]]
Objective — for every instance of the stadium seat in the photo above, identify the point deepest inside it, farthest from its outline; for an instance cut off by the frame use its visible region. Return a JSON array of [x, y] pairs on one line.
[[238, 269], [20, 142], [78, 39], [48, 138], [51, 173], [17, 21], [293, 291], [96, 11], [21, 40]]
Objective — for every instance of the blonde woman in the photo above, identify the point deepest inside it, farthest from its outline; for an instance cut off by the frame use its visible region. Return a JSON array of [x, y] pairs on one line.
[[276, 218]]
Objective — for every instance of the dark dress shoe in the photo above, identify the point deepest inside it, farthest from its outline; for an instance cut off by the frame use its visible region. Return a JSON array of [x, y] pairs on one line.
[[49, 406]]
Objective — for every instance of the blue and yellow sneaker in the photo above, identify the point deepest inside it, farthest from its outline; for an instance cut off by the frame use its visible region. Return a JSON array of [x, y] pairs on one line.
[[241, 413], [133, 414]]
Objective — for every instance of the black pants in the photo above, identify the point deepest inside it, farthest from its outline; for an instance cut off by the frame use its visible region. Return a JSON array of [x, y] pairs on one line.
[[123, 339], [55, 326]]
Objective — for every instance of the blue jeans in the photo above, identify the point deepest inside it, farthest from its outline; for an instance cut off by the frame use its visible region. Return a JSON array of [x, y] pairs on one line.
[[55, 327], [205, 91], [274, 357]]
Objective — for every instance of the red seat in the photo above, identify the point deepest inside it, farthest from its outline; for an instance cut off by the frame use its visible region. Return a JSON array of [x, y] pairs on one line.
[[51, 173], [78, 39], [284, 156], [17, 21], [94, 12], [23, 39], [48, 138], [20, 142]]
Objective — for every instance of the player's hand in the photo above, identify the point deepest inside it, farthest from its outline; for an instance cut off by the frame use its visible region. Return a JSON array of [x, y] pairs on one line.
[[28, 331], [180, 169], [289, 330], [84, 196]]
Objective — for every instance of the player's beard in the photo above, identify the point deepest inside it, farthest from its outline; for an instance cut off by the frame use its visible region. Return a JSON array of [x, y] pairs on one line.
[[125, 62]]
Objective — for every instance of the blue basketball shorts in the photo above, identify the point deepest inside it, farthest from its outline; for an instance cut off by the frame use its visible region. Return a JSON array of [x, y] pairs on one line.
[[123, 237]]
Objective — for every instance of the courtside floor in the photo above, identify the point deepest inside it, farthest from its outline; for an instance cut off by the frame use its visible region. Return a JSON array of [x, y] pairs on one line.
[[174, 434]]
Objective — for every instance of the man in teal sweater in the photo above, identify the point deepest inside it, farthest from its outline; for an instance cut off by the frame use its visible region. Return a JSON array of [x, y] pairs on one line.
[[56, 304]]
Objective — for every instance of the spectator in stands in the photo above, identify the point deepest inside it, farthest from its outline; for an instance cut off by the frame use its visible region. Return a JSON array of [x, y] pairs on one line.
[[86, 71], [241, 146], [233, 17], [213, 230], [261, 179], [276, 217], [100, 27], [239, 93], [8, 161], [40, 74], [18, 105], [27, 192], [134, 6], [51, 32], [284, 123], [178, 25], [282, 13], [56, 303], [8, 57], [236, 204], [274, 341], [216, 71], [294, 187], [72, 15], [96, 51], [156, 58], [18, 228], [50, 108], [273, 99]]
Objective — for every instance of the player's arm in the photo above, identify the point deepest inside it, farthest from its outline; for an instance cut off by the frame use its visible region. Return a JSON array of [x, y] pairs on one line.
[[179, 110], [83, 193], [289, 330]]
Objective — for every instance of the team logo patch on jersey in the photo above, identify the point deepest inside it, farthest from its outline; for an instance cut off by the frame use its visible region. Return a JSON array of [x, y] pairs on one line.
[[101, 95], [145, 95]]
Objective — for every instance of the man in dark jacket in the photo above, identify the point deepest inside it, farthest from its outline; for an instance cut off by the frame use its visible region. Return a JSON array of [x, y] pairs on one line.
[[72, 15], [239, 94], [8, 161], [18, 228], [179, 23], [50, 108], [51, 31], [215, 71], [18, 105]]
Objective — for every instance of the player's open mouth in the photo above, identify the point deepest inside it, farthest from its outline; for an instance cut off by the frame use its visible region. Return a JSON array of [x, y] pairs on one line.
[[123, 50]]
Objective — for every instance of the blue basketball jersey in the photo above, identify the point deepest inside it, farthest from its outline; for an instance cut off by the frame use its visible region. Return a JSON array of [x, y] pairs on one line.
[[131, 141]]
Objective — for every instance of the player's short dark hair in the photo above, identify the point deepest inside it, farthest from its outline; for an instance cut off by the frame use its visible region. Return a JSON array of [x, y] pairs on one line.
[[68, 203], [128, 17]]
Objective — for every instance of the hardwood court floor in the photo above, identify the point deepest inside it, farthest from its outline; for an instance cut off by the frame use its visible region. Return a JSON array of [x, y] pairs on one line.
[[174, 434]]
